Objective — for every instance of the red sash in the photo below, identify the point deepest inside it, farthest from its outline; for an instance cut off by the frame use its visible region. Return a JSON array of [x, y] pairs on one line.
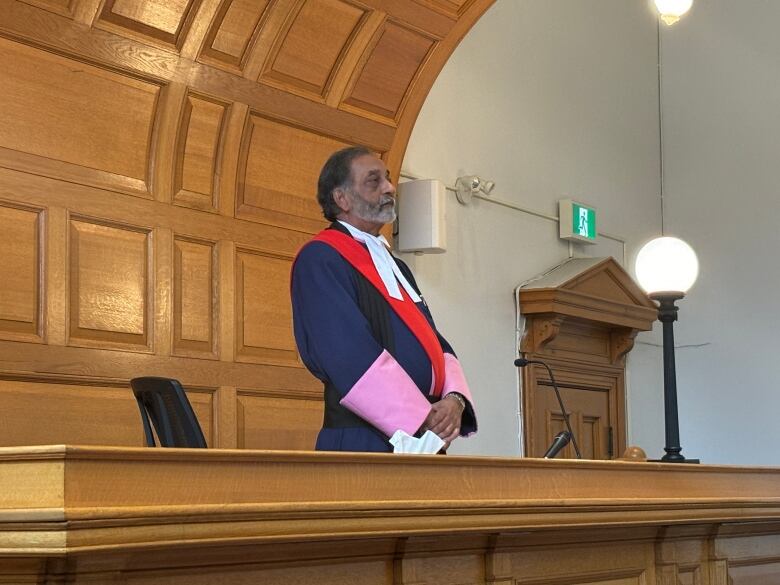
[[354, 253]]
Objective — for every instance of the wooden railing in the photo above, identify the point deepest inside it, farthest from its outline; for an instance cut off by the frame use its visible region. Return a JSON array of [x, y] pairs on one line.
[[116, 515]]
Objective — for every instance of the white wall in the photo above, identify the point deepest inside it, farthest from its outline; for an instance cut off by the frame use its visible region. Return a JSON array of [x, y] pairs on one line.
[[549, 99], [721, 104]]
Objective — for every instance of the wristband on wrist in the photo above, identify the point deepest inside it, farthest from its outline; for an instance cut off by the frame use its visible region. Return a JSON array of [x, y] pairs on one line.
[[459, 398]]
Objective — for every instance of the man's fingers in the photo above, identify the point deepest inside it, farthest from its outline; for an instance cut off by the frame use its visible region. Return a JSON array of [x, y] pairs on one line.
[[449, 435], [432, 421], [447, 431], [429, 427], [444, 420], [441, 428], [443, 424]]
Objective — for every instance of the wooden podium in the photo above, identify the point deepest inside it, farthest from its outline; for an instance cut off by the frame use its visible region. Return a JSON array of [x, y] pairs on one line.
[[143, 516]]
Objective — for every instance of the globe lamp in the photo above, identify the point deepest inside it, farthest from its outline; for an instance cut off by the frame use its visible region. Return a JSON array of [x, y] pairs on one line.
[[667, 268], [672, 10]]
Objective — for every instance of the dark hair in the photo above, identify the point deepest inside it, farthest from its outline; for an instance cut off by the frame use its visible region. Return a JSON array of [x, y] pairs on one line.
[[337, 172]]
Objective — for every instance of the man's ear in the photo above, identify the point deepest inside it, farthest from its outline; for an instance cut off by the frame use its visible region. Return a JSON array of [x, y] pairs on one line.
[[341, 198]]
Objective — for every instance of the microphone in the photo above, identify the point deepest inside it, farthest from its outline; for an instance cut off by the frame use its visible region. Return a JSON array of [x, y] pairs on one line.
[[521, 363], [559, 442]]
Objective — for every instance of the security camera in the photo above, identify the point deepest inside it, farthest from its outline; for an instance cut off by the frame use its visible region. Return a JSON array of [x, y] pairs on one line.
[[467, 186], [486, 187]]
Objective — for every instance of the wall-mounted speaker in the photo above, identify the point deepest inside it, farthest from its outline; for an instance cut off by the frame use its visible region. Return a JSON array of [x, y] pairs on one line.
[[421, 225]]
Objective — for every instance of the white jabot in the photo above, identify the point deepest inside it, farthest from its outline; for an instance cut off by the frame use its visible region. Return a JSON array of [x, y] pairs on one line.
[[388, 270]]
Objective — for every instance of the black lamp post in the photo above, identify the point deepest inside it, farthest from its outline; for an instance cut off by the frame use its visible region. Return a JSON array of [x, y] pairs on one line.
[[666, 269]]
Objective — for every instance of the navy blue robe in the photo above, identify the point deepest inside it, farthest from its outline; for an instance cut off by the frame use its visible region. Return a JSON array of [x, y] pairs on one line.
[[342, 327]]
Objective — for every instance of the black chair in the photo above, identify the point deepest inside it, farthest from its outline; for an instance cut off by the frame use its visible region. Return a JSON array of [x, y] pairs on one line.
[[163, 400]]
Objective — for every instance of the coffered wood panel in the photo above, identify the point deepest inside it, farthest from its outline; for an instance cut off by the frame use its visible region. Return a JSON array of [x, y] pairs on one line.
[[164, 20], [263, 312], [279, 166], [199, 138], [43, 413], [278, 422], [110, 285], [74, 121], [450, 7], [158, 166], [306, 56], [195, 302], [233, 29], [383, 82], [63, 7], [20, 273]]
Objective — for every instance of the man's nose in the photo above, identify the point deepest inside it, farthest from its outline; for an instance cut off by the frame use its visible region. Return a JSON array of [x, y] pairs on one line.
[[389, 188]]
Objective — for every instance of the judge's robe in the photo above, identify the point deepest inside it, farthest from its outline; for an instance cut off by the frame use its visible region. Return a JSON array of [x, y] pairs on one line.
[[377, 376]]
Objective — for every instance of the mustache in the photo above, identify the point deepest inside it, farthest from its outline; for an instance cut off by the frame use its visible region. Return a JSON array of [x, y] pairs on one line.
[[387, 200]]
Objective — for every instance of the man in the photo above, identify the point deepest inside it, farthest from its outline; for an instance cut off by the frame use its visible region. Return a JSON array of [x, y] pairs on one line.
[[362, 326]]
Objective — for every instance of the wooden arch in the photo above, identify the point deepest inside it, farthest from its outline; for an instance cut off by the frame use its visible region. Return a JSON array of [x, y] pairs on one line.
[[157, 163]]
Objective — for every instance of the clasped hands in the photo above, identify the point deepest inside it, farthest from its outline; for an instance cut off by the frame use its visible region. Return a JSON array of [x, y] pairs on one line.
[[444, 420]]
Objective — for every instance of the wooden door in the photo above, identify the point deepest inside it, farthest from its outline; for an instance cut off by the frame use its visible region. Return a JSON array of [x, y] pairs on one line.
[[589, 416]]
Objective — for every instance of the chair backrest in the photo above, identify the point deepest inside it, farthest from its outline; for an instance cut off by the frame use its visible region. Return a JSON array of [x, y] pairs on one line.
[[164, 401]]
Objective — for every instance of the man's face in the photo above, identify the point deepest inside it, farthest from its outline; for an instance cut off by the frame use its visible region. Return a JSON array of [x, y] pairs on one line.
[[371, 195]]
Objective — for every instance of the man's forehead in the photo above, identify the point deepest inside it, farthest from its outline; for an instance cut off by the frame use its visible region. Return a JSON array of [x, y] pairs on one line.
[[368, 163]]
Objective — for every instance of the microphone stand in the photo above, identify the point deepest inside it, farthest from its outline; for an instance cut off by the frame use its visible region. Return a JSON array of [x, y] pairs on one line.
[[521, 363]]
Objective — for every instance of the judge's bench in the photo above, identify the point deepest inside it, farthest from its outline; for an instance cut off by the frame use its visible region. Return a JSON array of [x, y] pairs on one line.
[[72, 514]]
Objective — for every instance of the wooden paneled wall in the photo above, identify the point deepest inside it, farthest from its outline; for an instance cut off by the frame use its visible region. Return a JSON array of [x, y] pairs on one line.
[[158, 162]]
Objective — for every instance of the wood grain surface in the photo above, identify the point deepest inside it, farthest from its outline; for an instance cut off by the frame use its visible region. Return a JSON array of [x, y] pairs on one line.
[[237, 516], [158, 166]]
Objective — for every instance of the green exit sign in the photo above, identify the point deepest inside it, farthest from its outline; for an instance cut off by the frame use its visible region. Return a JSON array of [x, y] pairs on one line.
[[577, 221]]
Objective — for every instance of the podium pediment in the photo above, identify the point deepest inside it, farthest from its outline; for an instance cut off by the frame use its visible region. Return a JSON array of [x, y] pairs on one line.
[[607, 279], [594, 289]]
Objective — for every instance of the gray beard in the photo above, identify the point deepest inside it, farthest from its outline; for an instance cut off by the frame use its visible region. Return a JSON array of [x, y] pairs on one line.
[[378, 213]]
